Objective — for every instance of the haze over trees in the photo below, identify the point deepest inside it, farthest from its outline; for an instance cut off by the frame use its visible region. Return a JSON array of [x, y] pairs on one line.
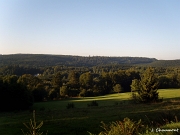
[[40, 60]]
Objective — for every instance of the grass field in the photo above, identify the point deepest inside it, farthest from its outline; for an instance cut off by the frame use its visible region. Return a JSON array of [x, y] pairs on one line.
[[77, 121]]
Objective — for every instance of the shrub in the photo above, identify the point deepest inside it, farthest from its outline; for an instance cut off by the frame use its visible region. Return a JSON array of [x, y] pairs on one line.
[[125, 127], [93, 103]]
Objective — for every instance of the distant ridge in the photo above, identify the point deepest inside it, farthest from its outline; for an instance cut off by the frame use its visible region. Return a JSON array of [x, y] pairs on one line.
[[165, 63], [41, 60]]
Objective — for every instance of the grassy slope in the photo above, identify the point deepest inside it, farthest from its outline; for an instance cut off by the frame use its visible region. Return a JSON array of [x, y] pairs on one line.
[[59, 120]]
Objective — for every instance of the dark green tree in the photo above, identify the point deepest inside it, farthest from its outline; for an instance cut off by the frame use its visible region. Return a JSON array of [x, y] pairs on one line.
[[39, 93], [108, 84], [146, 89], [57, 80], [35, 85], [86, 80], [53, 94], [73, 78], [29, 80], [13, 95]]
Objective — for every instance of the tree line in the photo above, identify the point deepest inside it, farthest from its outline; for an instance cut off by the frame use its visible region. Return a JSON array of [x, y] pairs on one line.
[[41, 60], [52, 83]]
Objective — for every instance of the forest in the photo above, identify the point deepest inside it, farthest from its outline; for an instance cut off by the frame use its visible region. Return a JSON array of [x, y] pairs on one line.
[[41, 60], [25, 79]]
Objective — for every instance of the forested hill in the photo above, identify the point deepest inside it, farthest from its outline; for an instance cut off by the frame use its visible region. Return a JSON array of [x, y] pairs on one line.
[[165, 63], [40, 60]]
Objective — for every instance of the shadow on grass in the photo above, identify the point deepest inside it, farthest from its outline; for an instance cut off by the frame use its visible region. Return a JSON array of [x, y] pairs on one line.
[[80, 119]]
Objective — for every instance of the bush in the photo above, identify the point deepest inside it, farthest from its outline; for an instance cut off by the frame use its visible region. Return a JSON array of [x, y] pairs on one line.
[[93, 103], [125, 127]]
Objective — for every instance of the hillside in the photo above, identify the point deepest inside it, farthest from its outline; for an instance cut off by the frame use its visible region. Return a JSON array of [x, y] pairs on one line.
[[162, 63], [40, 60]]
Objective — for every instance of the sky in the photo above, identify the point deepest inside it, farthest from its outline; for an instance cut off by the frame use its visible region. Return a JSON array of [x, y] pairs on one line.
[[135, 28]]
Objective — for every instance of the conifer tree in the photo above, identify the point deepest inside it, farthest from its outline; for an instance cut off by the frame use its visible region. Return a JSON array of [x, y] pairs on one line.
[[148, 86]]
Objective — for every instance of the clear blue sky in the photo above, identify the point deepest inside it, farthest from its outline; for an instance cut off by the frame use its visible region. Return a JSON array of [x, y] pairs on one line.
[[143, 28]]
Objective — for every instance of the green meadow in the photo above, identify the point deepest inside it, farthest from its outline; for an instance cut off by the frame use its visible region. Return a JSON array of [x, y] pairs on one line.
[[80, 119]]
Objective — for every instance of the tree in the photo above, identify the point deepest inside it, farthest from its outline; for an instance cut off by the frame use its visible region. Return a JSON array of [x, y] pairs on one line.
[[35, 85], [99, 87], [146, 89], [63, 91], [52, 94], [83, 93], [57, 80], [13, 95], [29, 80], [108, 85], [135, 86], [86, 80], [39, 93], [73, 78], [117, 88]]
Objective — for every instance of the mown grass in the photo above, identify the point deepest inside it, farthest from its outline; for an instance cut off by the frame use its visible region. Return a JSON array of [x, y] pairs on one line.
[[77, 121]]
